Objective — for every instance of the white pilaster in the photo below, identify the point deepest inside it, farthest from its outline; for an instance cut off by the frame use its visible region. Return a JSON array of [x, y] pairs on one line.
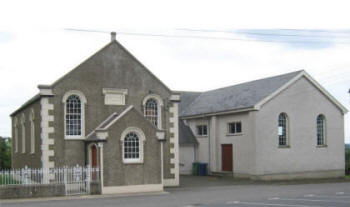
[[174, 141], [162, 162], [100, 144], [46, 130], [213, 144]]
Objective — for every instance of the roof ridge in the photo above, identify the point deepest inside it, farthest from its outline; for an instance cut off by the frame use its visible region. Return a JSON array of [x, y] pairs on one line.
[[206, 103], [189, 106], [275, 76]]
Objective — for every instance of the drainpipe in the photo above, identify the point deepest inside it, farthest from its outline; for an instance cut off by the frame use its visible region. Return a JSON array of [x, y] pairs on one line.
[[209, 143], [100, 144], [162, 163]]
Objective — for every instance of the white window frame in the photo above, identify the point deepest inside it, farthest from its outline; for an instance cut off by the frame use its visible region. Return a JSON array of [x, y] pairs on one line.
[[83, 102], [142, 140], [160, 104], [324, 125], [23, 120], [16, 134], [197, 130], [235, 123], [32, 131]]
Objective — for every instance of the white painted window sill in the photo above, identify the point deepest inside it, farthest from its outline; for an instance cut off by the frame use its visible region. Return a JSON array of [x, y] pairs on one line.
[[202, 136], [131, 161], [284, 146], [74, 138], [321, 146], [236, 134]]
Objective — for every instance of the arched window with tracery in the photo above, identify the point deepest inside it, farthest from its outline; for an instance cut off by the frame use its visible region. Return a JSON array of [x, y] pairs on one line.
[[132, 142], [32, 131], [73, 116], [321, 130], [131, 146], [23, 133], [74, 103], [151, 111]]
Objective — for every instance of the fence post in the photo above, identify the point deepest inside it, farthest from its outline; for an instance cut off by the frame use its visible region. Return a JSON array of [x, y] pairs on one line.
[[65, 179], [88, 178]]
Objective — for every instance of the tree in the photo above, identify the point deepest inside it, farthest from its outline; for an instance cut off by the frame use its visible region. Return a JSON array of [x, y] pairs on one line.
[[5, 153]]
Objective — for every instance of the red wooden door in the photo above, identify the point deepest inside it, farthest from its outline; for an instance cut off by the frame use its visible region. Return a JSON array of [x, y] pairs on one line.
[[227, 159], [93, 156]]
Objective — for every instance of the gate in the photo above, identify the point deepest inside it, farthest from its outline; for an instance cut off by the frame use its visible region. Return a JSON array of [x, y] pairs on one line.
[[78, 179]]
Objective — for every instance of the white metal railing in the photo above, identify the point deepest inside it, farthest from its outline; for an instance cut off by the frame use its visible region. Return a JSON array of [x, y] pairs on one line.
[[76, 179]]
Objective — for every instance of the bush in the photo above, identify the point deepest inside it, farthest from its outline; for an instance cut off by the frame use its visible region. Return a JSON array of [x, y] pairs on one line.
[[5, 153]]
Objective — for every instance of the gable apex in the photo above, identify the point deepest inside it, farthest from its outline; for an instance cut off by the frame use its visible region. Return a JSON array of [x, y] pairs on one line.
[[123, 49], [304, 74]]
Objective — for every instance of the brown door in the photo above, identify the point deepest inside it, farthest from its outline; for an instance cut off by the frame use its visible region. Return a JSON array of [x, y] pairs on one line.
[[227, 161], [93, 156]]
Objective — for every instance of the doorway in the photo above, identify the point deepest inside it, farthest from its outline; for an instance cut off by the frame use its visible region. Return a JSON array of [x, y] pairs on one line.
[[93, 150], [227, 157]]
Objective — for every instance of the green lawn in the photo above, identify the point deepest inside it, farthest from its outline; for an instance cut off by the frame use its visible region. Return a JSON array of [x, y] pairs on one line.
[[8, 178]]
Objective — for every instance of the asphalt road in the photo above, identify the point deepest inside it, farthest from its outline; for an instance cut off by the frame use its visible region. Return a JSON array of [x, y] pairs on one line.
[[218, 193]]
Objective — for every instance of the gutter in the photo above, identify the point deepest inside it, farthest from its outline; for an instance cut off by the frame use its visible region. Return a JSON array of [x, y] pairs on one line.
[[44, 90], [251, 108]]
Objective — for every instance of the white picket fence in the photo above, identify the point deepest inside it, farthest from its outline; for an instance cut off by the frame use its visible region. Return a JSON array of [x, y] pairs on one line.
[[76, 179]]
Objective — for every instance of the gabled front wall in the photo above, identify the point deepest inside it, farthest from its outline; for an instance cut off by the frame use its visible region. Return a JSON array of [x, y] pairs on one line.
[[20, 159], [302, 102], [112, 67]]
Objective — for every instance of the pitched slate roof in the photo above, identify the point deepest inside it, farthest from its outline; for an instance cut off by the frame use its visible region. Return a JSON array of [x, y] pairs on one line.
[[113, 118], [107, 123], [186, 135], [186, 98], [92, 136], [234, 97]]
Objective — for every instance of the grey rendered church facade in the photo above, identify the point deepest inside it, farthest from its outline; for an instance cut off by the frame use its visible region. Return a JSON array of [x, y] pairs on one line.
[[109, 112]]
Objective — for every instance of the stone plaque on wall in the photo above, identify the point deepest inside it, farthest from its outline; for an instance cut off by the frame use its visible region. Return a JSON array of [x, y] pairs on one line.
[[115, 96]]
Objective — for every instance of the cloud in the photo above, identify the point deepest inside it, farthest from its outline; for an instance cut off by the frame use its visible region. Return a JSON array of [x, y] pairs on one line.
[[34, 48], [299, 39]]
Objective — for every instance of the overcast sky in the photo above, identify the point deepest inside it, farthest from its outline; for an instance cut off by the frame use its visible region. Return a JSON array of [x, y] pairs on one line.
[[245, 42]]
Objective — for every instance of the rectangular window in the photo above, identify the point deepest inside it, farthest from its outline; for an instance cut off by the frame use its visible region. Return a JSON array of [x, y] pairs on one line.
[[235, 128], [202, 130]]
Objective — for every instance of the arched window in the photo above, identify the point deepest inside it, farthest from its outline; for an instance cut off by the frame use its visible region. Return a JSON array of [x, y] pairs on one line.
[[131, 146], [16, 134], [32, 132], [283, 129], [23, 119], [74, 112], [321, 130], [73, 116], [151, 111], [132, 141], [152, 105]]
